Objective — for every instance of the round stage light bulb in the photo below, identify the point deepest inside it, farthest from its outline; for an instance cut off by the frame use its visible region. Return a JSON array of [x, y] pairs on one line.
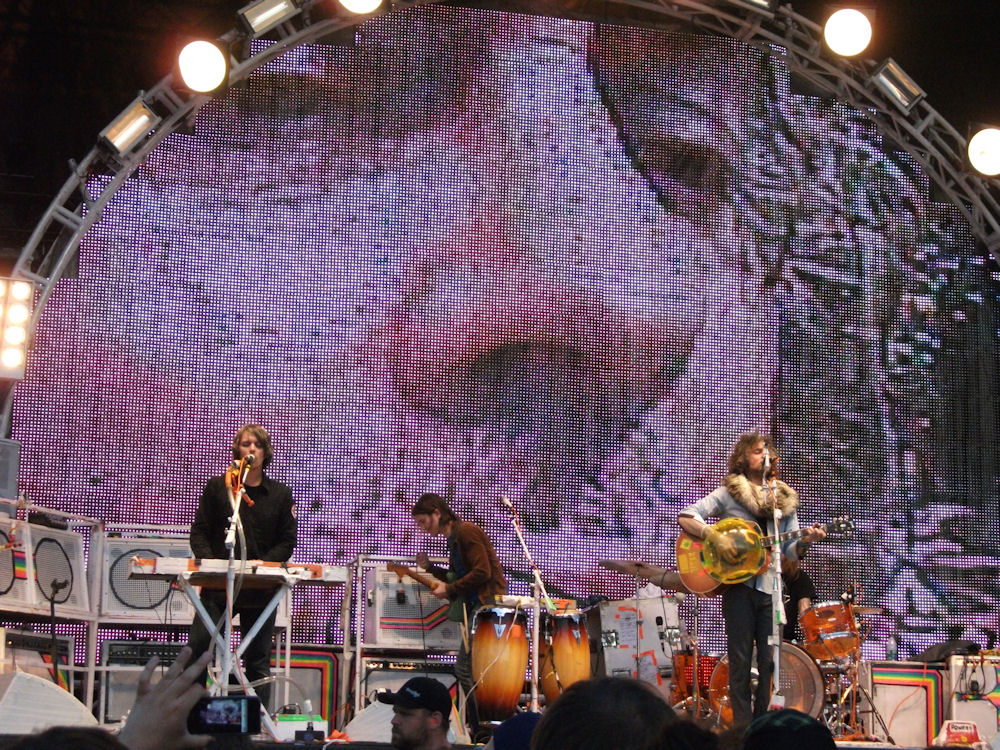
[[202, 66], [848, 32], [20, 290], [15, 335], [12, 358], [17, 313], [984, 151], [361, 6]]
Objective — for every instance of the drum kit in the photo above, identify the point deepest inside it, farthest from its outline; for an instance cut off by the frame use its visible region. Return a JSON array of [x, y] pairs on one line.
[[819, 676]]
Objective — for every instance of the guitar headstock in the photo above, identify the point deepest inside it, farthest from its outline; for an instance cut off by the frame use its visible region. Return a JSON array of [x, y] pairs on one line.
[[399, 570], [842, 525]]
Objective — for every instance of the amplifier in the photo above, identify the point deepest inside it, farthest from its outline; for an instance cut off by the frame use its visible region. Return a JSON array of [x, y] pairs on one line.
[[379, 675], [128, 658], [909, 696], [403, 614], [32, 652], [975, 692]]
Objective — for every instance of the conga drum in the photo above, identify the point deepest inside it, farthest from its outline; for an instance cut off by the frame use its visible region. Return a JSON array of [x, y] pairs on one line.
[[499, 660], [564, 652]]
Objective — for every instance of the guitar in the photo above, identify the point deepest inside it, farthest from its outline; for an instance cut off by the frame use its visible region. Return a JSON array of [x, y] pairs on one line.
[[456, 607], [704, 570]]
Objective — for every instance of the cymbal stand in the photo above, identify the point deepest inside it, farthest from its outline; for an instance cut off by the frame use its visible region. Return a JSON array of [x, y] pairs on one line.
[[694, 699]]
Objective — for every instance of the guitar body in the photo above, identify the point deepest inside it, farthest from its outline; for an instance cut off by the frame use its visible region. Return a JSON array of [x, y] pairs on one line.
[[456, 607], [692, 569], [751, 556]]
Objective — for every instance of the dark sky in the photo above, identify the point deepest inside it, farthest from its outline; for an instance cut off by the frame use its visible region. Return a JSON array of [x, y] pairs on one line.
[[67, 68]]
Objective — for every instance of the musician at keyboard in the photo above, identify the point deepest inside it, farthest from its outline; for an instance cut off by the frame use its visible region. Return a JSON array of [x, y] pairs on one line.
[[268, 516]]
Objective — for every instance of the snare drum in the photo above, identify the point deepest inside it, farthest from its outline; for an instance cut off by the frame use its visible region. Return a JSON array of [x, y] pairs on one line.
[[801, 683], [564, 652], [829, 631], [499, 660], [683, 663]]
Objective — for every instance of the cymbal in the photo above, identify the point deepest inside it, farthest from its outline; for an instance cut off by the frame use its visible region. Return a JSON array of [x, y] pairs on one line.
[[859, 609], [662, 577]]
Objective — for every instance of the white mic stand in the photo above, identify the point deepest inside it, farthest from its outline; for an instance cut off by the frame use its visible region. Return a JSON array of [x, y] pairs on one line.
[[538, 589], [234, 523], [777, 605]]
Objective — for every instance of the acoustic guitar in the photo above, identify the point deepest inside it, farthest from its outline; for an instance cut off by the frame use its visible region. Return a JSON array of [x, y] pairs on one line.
[[456, 607], [705, 571]]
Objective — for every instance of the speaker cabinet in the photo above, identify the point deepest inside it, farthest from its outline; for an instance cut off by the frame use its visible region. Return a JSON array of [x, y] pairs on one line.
[[403, 614], [134, 600], [30, 704], [314, 675], [910, 697], [975, 692], [39, 567]]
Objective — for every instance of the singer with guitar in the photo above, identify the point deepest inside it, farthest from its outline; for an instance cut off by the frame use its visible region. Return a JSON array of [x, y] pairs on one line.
[[476, 575], [746, 606], [268, 515]]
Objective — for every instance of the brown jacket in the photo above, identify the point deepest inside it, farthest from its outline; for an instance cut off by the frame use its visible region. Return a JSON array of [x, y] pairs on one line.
[[483, 572]]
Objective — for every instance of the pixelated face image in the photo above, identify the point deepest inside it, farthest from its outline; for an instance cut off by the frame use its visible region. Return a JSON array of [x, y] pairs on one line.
[[565, 263]]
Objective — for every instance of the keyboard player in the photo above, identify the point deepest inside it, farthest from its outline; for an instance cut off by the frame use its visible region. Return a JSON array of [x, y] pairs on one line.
[[270, 529]]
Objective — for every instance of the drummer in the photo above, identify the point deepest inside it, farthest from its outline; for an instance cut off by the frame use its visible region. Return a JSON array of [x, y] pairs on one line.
[[474, 577], [799, 592]]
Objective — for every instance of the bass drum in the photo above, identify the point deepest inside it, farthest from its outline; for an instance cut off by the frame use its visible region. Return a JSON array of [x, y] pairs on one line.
[[801, 682]]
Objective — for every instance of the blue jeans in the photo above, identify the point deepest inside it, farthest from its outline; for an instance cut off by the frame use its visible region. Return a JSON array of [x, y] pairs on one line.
[[747, 613]]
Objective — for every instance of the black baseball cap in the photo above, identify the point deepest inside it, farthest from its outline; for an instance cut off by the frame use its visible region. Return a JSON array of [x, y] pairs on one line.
[[421, 692]]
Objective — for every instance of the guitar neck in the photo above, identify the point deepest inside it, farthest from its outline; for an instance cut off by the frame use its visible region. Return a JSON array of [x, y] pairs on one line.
[[769, 541], [423, 578]]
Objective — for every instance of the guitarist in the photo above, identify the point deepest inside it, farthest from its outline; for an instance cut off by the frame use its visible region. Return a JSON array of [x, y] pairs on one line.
[[746, 607], [476, 576]]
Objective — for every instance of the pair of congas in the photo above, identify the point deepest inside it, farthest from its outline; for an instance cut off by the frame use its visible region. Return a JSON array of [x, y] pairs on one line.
[[500, 656]]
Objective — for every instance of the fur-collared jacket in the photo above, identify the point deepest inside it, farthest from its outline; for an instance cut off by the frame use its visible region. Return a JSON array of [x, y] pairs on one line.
[[737, 497]]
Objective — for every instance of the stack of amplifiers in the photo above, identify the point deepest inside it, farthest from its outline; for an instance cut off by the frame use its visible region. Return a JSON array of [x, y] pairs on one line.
[[314, 674], [975, 692], [911, 697], [404, 614], [42, 566]]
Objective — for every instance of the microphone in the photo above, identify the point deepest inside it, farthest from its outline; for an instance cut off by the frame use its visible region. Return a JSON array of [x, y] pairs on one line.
[[767, 460], [245, 466], [506, 502]]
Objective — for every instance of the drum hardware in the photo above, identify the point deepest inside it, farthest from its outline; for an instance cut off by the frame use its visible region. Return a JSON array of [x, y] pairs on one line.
[[662, 577]]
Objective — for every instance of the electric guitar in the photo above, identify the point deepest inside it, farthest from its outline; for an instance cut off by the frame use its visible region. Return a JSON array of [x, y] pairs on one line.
[[456, 607], [704, 570]]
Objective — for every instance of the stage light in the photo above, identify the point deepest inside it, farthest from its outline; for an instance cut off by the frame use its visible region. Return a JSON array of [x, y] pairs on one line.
[[847, 32], [898, 86], [203, 66], [261, 17], [760, 6], [130, 127], [984, 151], [16, 300], [360, 6]]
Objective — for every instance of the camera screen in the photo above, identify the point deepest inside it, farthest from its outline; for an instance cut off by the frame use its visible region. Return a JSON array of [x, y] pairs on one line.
[[235, 714]]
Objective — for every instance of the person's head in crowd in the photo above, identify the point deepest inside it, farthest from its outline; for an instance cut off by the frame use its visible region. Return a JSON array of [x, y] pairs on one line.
[[684, 735], [421, 711], [787, 729], [514, 733], [602, 714], [69, 738]]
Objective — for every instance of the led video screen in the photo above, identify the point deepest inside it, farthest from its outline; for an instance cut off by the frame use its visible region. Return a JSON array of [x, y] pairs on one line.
[[566, 263]]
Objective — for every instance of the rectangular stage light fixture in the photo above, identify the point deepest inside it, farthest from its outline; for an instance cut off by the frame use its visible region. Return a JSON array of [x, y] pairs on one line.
[[262, 16], [17, 298], [893, 81], [130, 127]]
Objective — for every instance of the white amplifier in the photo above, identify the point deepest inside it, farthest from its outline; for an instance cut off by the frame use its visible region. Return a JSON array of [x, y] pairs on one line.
[[975, 692], [403, 614]]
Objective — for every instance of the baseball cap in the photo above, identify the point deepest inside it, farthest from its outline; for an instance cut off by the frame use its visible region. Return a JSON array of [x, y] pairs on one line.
[[421, 692]]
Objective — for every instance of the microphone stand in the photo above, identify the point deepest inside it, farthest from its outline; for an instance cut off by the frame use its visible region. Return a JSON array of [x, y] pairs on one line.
[[538, 589], [235, 523], [777, 605]]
